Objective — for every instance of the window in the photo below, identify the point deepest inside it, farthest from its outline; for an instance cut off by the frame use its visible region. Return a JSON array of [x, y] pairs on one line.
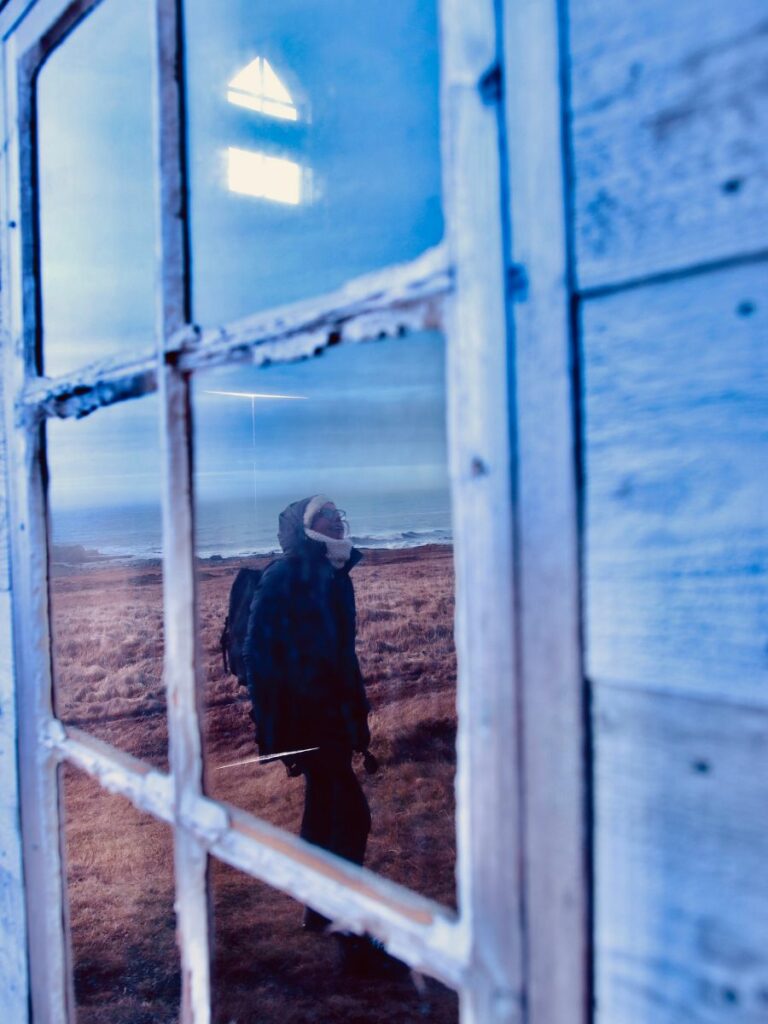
[[272, 169], [258, 88]]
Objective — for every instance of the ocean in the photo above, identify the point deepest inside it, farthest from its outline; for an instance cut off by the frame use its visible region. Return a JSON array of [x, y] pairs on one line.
[[242, 526]]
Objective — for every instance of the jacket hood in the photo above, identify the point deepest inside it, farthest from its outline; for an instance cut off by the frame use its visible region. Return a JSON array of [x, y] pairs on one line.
[[290, 531], [294, 541]]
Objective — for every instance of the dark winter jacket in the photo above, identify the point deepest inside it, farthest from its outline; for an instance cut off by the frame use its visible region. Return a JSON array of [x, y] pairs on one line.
[[302, 670]]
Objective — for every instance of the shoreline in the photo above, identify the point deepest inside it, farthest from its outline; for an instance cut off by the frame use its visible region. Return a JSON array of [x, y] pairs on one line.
[[89, 560]]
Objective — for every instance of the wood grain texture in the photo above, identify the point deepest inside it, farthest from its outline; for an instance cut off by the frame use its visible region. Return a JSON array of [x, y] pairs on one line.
[[489, 837], [14, 993], [5, 572], [555, 768], [681, 849], [51, 987], [676, 455], [670, 134]]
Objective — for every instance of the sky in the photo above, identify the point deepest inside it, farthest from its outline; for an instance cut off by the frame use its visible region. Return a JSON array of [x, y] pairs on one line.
[[313, 157], [362, 82]]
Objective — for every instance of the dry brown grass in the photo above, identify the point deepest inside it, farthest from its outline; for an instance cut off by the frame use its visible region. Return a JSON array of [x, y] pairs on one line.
[[108, 665]]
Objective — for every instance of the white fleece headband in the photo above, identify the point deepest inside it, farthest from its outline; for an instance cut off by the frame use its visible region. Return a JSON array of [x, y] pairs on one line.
[[313, 507]]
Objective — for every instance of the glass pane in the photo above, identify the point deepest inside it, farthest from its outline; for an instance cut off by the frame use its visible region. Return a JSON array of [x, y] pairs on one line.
[[106, 601], [95, 167], [119, 875], [262, 959], [314, 146], [363, 425]]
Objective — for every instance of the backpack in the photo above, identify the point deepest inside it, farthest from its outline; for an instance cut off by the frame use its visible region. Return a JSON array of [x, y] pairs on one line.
[[236, 623]]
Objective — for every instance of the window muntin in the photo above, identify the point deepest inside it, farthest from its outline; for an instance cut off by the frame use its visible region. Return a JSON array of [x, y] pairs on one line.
[[313, 141], [295, 978], [96, 191]]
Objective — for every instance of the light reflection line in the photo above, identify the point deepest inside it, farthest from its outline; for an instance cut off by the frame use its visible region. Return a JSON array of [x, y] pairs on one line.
[[258, 394]]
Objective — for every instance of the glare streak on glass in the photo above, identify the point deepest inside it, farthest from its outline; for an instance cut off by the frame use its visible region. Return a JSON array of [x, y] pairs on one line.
[[96, 201], [313, 146]]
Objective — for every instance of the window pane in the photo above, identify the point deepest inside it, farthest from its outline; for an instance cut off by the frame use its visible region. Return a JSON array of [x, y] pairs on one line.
[[94, 127], [262, 959], [364, 425], [119, 876], [314, 150], [106, 576]]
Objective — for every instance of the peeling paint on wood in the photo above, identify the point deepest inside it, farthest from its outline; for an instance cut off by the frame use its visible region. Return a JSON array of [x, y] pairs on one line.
[[402, 298], [670, 134], [51, 987], [388, 303], [358, 899], [148, 789]]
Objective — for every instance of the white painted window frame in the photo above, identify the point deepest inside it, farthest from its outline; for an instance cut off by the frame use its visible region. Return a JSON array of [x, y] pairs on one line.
[[499, 286]]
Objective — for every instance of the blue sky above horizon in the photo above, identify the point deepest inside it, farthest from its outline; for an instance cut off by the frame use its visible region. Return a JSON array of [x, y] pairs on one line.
[[363, 82], [360, 87]]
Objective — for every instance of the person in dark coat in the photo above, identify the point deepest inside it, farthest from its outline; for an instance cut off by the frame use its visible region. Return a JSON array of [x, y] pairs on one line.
[[304, 679]]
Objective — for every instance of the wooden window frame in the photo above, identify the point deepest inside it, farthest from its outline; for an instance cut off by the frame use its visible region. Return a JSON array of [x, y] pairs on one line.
[[500, 288]]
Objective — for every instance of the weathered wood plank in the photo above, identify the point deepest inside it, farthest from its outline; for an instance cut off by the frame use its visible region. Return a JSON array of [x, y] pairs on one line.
[[676, 425], [14, 989], [489, 838], [555, 768], [5, 577], [681, 849], [180, 663], [52, 990], [670, 134], [414, 927], [387, 303]]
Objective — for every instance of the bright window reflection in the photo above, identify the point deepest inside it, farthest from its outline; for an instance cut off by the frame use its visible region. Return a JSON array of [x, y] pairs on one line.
[[257, 87], [252, 173]]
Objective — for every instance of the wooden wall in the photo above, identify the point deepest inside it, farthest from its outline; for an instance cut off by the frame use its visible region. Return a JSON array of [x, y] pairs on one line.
[[670, 145], [13, 966]]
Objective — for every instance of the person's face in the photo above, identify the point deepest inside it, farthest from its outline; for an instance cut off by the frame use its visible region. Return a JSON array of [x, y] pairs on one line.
[[329, 521]]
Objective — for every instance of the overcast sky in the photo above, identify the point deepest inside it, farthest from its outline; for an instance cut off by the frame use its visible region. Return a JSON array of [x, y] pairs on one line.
[[359, 84], [362, 82]]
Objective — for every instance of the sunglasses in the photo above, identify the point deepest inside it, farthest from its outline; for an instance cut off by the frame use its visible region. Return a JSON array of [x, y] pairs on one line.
[[333, 513]]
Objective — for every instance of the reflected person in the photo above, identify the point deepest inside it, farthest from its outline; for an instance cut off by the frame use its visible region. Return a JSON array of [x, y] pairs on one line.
[[304, 679]]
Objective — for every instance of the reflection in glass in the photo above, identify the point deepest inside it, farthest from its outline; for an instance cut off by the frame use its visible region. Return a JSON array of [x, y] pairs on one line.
[[258, 88], [364, 426], [265, 968], [120, 890], [268, 177], [95, 168], [313, 146], [106, 576]]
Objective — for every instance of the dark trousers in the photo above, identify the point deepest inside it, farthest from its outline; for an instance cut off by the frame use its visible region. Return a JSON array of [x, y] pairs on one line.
[[336, 813]]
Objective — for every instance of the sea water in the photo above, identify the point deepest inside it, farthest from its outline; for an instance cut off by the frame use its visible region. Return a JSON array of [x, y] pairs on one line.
[[241, 526]]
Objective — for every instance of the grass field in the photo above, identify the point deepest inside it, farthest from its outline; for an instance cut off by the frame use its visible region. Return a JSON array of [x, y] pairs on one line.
[[107, 624]]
